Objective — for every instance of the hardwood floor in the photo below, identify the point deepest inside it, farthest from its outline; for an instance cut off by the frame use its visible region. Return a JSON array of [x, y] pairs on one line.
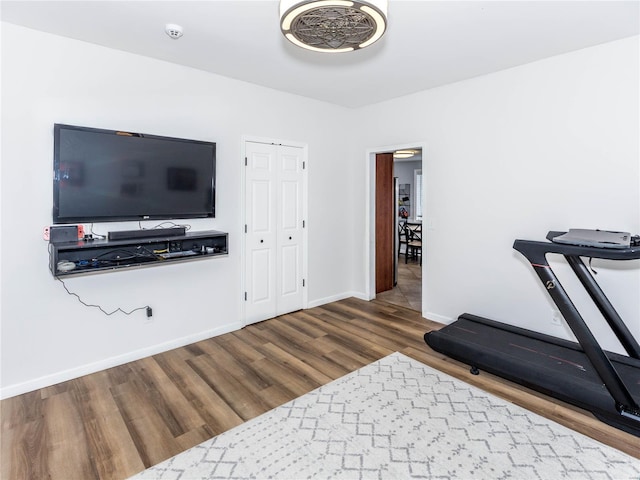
[[114, 423]]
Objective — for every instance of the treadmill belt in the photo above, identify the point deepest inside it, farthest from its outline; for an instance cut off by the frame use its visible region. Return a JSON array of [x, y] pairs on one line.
[[555, 367]]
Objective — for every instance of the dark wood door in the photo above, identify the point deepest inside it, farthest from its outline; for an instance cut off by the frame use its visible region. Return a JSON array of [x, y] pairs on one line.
[[384, 222]]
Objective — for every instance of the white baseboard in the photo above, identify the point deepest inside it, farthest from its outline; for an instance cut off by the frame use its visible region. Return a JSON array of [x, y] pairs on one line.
[[361, 296], [335, 298], [48, 380], [438, 318]]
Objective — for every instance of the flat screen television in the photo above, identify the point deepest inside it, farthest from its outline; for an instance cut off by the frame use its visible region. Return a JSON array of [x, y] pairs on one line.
[[108, 175]]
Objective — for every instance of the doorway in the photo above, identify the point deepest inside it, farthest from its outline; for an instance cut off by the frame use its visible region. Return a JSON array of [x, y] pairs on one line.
[[404, 184]]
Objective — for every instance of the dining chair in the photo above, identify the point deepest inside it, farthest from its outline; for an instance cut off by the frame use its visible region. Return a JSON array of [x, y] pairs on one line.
[[414, 242], [403, 238]]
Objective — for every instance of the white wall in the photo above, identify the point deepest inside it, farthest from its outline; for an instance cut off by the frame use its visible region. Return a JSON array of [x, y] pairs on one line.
[[549, 145], [546, 146], [47, 335]]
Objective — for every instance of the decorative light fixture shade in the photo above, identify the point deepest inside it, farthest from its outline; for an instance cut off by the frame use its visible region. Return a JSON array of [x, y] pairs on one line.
[[333, 25]]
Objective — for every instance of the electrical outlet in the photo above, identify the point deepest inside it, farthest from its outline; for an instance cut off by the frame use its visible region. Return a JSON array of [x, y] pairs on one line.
[[149, 318], [556, 319]]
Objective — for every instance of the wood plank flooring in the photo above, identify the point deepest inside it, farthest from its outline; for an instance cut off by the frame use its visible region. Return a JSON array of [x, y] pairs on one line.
[[117, 422]]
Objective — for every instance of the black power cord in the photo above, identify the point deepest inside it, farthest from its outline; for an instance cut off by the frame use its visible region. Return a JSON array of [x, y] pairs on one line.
[[146, 307], [162, 225], [91, 305], [94, 234]]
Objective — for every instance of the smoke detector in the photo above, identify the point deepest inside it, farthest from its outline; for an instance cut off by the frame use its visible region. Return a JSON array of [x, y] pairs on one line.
[[173, 30]]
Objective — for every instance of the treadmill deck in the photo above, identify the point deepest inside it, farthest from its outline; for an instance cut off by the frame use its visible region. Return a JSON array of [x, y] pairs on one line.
[[555, 367]]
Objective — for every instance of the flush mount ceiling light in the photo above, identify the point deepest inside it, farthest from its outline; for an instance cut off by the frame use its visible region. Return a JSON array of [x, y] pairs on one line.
[[333, 25], [404, 153]]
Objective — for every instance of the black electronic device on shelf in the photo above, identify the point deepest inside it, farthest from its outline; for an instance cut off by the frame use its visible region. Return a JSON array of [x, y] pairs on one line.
[[582, 373], [146, 233], [81, 257]]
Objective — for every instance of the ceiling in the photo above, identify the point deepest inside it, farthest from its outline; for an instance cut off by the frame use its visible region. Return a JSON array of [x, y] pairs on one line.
[[427, 43]]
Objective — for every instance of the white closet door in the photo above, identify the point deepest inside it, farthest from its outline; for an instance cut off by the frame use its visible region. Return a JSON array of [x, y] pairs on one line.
[[261, 235], [274, 241], [289, 244]]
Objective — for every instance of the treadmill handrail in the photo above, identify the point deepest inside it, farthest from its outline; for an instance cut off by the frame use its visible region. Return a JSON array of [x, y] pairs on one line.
[[604, 305], [536, 252]]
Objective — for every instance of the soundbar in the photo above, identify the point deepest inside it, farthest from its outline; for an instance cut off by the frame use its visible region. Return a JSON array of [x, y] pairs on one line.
[[150, 233]]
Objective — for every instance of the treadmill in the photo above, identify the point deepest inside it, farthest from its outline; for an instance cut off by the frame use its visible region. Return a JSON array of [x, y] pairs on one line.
[[583, 374]]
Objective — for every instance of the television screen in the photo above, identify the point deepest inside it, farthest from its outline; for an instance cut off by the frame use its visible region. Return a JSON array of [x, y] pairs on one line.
[[104, 175]]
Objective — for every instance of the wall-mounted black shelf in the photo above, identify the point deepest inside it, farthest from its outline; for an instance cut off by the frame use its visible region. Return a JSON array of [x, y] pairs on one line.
[[84, 257]]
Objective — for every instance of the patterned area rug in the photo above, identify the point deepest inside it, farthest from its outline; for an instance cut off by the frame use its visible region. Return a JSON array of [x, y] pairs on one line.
[[394, 419]]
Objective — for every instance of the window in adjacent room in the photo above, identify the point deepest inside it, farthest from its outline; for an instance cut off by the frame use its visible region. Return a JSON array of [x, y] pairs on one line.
[[417, 181]]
